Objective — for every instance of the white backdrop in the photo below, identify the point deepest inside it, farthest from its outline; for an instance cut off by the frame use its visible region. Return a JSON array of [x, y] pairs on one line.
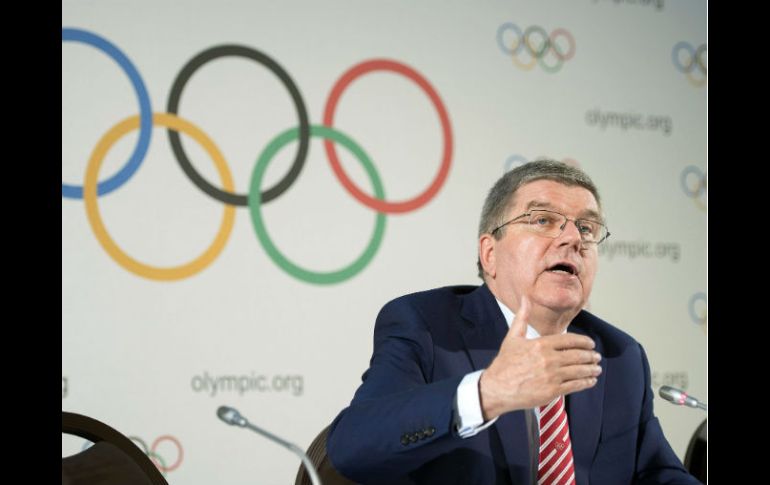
[[155, 358]]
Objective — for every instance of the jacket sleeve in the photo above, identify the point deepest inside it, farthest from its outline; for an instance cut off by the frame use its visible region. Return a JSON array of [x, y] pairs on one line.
[[399, 418]]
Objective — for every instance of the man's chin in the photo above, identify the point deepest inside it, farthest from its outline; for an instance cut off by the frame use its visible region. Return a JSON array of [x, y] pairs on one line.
[[568, 304]]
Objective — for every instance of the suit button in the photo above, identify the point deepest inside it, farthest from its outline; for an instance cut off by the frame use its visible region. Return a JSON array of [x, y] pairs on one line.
[[430, 431], [422, 434], [404, 439], [413, 438]]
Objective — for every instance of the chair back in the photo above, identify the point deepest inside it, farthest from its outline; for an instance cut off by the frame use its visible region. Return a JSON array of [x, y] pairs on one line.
[[326, 471], [696, 455], [113, 459]]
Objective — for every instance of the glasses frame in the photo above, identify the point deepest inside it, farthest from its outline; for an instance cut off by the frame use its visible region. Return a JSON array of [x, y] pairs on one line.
[[561, 229]]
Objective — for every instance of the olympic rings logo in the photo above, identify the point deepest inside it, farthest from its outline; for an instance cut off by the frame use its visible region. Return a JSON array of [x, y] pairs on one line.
[[536, 44], [92, 189], [517, 160], [697, 307], [693, 182], [690, 61], [161, 463]]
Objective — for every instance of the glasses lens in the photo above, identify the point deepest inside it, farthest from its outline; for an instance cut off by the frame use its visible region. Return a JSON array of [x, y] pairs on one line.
[[546, 223], [551, 224], [590, 231]]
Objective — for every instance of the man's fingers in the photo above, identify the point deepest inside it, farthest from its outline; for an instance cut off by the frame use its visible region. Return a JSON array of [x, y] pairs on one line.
[[578, 372], [577, 385], [572, 341], [579, 356]]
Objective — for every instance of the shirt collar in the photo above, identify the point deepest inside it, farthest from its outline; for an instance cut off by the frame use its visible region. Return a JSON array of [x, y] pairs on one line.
[[508, 314]]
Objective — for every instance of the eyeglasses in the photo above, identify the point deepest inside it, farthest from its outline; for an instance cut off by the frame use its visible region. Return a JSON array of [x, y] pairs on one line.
[[551, 224]]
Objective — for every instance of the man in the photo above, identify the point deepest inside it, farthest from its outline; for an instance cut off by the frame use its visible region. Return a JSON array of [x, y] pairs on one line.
[[510, 382]]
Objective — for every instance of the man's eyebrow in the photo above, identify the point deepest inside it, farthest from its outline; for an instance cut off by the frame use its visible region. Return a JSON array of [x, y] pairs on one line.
[[539, 204], [592, 215], [586, 214]]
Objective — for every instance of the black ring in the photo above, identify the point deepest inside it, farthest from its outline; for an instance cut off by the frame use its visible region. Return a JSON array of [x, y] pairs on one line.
[[544, 46], [699, 57], [304, 126]]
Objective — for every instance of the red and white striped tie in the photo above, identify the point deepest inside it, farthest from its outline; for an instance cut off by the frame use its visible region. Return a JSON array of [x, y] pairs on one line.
[[555, 464]]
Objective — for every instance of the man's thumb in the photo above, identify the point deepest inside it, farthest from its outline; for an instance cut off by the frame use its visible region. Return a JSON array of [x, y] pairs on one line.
[[519, 325]]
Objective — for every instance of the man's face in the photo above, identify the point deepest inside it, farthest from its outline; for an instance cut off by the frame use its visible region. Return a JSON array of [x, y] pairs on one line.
[[525, 263]]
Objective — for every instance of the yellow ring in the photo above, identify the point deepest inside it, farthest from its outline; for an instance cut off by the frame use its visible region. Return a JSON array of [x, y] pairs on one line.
[[701, 204], [518, 63], [521, 65], [695, 81], [92, 208]]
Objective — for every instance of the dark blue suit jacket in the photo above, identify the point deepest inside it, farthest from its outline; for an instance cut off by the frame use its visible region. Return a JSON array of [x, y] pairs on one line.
[[399, 427]]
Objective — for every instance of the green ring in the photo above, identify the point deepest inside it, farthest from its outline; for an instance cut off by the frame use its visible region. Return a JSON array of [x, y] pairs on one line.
[[551, 69], [163, 469], [255, 205]]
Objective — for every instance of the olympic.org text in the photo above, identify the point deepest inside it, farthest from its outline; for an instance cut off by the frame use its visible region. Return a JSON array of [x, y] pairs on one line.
[[672, 378], [247, 383], [657, 3], [629, 121], [640, 249]]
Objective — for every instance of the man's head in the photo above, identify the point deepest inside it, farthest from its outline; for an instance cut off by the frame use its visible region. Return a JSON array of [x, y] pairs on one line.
[[518, 256]]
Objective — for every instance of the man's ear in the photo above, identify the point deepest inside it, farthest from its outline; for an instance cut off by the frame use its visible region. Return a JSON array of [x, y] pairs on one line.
[[487, 244]]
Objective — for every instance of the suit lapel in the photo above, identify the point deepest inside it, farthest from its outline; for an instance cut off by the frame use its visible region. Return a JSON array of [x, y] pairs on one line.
[[485, 326], [585, 410], [484, 331]]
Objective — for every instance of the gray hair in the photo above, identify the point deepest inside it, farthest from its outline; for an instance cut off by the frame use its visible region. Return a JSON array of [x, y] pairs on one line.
[[501, 196]]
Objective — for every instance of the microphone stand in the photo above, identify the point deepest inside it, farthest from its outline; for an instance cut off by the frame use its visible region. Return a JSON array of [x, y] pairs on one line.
[[291, 447], [231, 416]]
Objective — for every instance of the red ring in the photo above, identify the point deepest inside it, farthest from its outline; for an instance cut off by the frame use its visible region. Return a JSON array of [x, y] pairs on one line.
[[179, 447], [331, 104]]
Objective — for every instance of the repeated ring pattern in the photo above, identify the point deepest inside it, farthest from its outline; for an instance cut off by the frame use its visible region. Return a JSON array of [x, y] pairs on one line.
[[693, 181], [537, 44], [699, 318], [693, 61], [152, 452], [92, 189]]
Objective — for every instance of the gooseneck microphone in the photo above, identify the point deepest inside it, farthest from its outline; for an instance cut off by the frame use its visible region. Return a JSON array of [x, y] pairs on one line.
[[680, 398], [232, 416]]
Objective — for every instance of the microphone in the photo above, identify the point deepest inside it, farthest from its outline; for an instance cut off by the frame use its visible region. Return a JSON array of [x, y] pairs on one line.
[[679, 397], [233, 417]]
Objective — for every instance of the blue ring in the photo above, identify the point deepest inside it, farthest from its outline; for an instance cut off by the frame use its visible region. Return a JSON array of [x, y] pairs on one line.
[[145, 113], [697, 296], [692, 169], [510, 161], [515, 28], [675, 56]]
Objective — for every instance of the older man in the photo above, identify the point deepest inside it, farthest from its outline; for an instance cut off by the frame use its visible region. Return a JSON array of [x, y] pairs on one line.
[[511, 382]]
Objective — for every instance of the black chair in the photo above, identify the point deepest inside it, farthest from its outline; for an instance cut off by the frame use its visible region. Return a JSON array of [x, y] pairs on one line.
[[113, 459], [695, 457], [326, 471]]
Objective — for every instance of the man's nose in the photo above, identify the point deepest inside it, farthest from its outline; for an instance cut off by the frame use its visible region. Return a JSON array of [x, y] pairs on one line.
[[570, 233]]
